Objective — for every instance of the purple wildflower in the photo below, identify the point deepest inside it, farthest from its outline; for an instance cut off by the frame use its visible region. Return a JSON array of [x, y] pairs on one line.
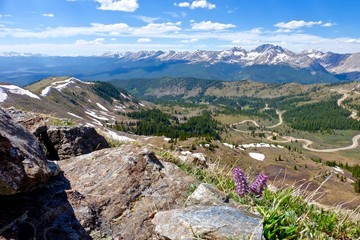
[[259, 185], [242, 186]]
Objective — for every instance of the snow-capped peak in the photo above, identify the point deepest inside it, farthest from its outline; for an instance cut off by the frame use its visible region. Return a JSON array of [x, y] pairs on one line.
[[266, 54]]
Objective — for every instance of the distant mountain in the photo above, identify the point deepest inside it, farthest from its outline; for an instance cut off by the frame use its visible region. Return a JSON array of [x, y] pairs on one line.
[[266, 54], [266, 63]]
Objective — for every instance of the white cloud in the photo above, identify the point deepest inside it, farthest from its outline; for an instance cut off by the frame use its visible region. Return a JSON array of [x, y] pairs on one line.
[[5, 15], [48, 15], [157, 28], [352, 40], [147, 19], [208, 25], [97, 41], [256, 30], [297, 24], [118, 5], [144, 40], [113, 39], [284, 30], [183, 4], [202, 4], [196, 4], [327, 25], [296, 41], [93, 29], [246, 42], [189, 40]]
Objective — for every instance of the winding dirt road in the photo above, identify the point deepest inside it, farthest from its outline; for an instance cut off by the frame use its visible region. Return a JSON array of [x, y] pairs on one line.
[[306, 142], [279, 113]]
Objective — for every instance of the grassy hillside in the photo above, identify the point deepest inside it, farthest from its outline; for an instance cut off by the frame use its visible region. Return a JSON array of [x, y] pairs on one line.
[[167, 87]]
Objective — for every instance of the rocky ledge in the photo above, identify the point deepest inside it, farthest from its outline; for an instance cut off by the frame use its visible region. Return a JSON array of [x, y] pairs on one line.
[[23, 164]]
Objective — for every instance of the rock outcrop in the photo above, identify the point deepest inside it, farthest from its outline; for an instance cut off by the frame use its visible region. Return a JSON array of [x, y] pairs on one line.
[[207, 222], [111, 193], [122, 189], [66, 142], [60, 142], [208, 215], [23, 164]]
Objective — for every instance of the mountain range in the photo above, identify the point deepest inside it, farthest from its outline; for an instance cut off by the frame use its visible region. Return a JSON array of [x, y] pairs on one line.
[[266, 63]]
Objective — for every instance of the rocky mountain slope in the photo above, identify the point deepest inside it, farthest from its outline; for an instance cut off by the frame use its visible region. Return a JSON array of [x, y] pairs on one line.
[[90, 103]]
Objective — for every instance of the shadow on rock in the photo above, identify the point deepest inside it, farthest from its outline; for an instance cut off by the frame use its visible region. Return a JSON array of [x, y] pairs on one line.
[[44, 213]]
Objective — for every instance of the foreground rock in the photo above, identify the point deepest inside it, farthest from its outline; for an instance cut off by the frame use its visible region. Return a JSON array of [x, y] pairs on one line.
[[23, 164], [66, 142], [111, 193], [122, 189], [208, 222]]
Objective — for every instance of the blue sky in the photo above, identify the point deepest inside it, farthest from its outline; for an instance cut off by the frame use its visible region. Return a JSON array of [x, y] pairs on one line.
[[92, 27]]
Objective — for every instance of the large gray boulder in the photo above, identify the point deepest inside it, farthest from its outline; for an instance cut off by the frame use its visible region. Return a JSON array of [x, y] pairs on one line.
[[66, 142], [207, 222], [207, 194], [121, 189], [23, 164], [107, 194]]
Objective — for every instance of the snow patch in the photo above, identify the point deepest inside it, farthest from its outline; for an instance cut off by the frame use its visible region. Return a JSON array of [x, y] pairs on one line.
[[118, 137], [93, 114], [3, 95], [124, 96], [229, 145], [257, 156], [15, 90], [337, 169], [95, 121], [74, 115], [141, 104], [90, 125], [102, 107], [45, 91], [61, 85], [167, 139]]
